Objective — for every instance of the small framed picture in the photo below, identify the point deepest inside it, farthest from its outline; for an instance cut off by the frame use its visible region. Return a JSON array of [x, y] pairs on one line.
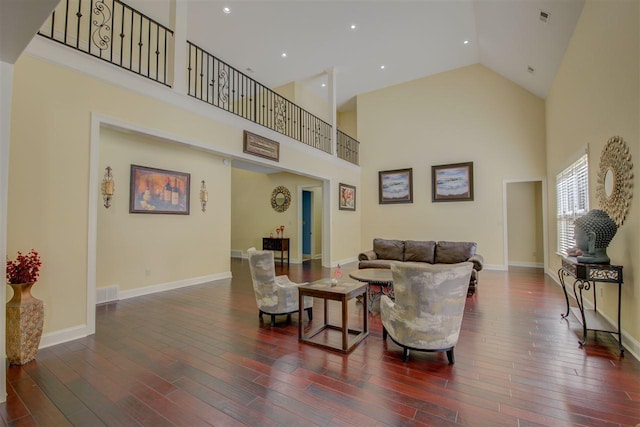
[[159, 191], [260, 146], [347, 197], [395, 186], [452, 183]]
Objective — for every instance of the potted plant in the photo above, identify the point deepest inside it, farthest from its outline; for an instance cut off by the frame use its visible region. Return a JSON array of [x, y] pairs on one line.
[[25, 313]]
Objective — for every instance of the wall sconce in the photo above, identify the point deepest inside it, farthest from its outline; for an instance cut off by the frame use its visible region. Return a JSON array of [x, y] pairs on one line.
[[204, 196], [108, 187]]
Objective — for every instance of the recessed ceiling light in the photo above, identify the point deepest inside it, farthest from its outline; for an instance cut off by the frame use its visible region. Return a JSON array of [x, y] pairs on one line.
[[466, 42], [353, 27], [283, 54], [323, 85], [382, 67], [226, 10]]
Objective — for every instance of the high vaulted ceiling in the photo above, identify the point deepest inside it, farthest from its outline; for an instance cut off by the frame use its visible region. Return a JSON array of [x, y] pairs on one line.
[[412, 39]]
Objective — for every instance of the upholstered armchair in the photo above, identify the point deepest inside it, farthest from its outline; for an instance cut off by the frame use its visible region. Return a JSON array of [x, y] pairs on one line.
[[428, 308], [275, 295]]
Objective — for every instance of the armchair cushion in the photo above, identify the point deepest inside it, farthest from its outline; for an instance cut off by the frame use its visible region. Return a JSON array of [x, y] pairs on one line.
[[389, 249], [274, 295], [429, 305]]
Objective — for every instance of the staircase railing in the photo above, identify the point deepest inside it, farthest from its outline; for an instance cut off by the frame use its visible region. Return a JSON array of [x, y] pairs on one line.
[[218, 83], [114, 32], [348, 148]]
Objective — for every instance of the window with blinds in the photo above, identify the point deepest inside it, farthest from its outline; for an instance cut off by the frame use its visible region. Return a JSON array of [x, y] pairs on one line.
[[572, 186]]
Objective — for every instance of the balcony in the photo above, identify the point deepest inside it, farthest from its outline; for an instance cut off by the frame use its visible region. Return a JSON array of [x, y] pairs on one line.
[[116, 33]]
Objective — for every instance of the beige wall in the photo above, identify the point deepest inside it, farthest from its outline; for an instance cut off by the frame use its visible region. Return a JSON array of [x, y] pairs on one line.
[[300, 95], [466, 115], [253, 217], [596, 95], [524, 220], [348, 123], [138, 250], [48, 206]]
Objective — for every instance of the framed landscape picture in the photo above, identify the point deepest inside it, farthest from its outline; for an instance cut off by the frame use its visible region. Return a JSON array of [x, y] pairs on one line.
[[159, 191], [395, 186], [347, 197], [452, 183]]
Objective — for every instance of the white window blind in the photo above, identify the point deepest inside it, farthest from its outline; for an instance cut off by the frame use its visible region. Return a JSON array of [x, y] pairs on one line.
[[572, 185]]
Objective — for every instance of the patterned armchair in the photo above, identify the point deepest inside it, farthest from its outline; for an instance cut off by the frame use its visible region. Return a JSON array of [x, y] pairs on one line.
[[428, 308], [274, 295]]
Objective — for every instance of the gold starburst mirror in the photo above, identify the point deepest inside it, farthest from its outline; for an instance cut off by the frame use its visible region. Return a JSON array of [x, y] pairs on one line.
[[614, 187]]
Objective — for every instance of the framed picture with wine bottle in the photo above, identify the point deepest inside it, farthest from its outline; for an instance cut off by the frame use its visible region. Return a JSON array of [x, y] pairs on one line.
[[159, 191]]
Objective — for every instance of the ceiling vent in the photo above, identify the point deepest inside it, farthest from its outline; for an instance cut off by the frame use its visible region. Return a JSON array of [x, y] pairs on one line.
[[530, 69], [544, 16]]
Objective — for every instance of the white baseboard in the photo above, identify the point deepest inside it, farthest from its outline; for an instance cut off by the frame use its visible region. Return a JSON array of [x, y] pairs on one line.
[[630, 345], [526, 264], [344, 262], [173, 285], [63, 336], [495, 267]]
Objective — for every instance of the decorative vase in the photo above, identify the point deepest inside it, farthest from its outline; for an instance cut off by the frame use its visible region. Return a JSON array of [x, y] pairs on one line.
[[25, 317]]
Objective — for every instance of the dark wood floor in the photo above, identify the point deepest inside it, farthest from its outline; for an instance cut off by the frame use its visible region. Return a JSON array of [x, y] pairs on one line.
[[199, 356]]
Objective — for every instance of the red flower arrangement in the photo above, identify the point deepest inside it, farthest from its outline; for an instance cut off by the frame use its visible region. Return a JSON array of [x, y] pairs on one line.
[[25, 269]]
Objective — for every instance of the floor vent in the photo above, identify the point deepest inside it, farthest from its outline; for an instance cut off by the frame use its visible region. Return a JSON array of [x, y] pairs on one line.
[[108, 294]]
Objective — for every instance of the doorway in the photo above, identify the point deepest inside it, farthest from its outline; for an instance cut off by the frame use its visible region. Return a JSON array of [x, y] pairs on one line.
[[307, 225], [524, 204]]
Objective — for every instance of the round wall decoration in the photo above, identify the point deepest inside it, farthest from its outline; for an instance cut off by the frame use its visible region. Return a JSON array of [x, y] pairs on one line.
[[614, 187], [280, 199]]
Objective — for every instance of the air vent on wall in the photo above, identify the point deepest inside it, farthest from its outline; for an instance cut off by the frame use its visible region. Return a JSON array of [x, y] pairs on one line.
[[544, 16]]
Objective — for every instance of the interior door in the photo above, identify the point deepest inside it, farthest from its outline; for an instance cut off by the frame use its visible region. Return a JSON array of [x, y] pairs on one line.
[[306, 222]]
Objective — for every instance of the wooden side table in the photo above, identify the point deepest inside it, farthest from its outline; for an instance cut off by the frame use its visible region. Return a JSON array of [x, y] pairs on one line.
[[342, 292], [277, 244]]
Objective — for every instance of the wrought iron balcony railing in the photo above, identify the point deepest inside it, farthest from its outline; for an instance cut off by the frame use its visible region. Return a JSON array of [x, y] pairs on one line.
[[348, 148], [114, 32], [218, 83], [117, 33]]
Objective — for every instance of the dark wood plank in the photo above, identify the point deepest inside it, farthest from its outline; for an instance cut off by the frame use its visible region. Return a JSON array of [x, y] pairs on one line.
[[200, 356]]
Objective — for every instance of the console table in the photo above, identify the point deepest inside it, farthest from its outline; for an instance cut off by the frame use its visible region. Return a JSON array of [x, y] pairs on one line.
[[585, 276], [277, 244]]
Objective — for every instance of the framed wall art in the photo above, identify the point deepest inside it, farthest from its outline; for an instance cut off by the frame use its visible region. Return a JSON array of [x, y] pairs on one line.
[[395, 186], [452, 183], [159, 191], [260, 146], [347, 197]]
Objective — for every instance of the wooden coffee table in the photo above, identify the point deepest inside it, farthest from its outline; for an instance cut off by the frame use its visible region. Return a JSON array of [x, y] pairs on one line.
[[380, 277], [342, 292]]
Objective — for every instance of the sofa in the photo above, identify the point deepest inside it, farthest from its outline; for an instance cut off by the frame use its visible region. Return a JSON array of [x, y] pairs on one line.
[[386, 251]]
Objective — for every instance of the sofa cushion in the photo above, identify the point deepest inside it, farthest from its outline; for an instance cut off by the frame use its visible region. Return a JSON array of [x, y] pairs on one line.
[[453, 252], [375, 263], [389, 249], [420, 251]]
